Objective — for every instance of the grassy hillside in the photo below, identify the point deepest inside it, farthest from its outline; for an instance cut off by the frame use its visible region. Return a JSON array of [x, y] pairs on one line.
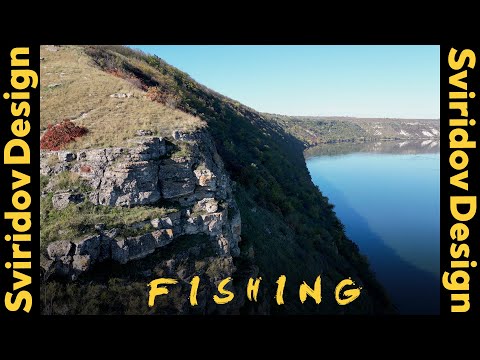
[[313, 130], [288, 226], [71, 88]]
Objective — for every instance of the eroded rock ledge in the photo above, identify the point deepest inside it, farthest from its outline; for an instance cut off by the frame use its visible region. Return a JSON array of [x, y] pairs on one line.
[[149, 171]]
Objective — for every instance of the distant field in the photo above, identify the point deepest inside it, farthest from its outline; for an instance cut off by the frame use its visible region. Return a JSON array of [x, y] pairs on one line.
[[317, 130]]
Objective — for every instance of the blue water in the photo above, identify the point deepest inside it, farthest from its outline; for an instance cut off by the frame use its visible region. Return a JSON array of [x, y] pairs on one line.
[[389, 204]]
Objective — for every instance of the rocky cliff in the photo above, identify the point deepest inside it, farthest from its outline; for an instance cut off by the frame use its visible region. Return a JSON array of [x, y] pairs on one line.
[[149, 171], [166, 181]]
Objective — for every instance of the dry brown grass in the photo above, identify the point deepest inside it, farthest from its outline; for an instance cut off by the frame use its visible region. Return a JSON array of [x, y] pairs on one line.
[[84, 97]]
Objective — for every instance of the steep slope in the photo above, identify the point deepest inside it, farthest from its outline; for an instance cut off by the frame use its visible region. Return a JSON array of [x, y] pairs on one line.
[[123, 205], [288, 227], [113, 109]]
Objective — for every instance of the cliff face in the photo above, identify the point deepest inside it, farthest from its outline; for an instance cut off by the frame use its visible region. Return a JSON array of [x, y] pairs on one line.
[[166, 182], [150, 172]]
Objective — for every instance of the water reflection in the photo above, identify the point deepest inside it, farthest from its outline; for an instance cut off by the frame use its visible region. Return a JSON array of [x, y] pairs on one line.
[[385, 147], [387, 195]]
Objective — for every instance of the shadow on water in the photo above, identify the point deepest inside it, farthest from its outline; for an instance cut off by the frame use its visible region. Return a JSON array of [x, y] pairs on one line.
[[412, 290]]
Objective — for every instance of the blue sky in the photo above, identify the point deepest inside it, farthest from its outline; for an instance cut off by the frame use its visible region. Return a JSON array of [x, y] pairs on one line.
[[363, 81]]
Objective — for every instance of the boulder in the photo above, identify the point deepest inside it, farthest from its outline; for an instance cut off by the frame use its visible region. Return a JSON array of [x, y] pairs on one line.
[[140, 246], [119, 251], [162, 237], [66, 156], [223, 245], [212, 223], [146, 148], [47, 267], [111, 234], [58, 249], [80, 263], [100, 227], [62, 199], [63, 267], [89, 246], [137, 247], [183, 136], [176, 179], [193, 225], [97, 156], [121, 95], [143, 133], [173, 189], [170, 221], [113, 154], [206, 178], [157, 223], [209, 205], [52, 48], [133, 183]]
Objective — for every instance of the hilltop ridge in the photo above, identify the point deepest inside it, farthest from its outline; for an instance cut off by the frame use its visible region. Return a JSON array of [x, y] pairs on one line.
[[315, 130]]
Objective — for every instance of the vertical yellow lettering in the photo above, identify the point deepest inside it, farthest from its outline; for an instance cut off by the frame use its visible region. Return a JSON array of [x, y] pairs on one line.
[[16, 159], [221, 289], [315, 293], [459, 280], [20, 254], [22, 179], [465, 298], [471, 201], [13, 303], [19, 51], [156, 290], [252, 288], [21, 194]]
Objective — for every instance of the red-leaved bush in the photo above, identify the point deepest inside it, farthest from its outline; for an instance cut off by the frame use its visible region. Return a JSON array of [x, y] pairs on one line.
[[61, 134]]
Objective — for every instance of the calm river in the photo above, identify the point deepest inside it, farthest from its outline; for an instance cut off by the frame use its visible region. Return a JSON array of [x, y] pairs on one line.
[[387, 196]]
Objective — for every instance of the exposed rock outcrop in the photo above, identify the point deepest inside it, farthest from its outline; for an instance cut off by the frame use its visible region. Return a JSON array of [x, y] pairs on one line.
[[148, 172], [61, 200]]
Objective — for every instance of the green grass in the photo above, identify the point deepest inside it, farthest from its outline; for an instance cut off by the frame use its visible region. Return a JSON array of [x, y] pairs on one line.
[[182, 150], [76, 221], [67, 180], [44, 180]]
